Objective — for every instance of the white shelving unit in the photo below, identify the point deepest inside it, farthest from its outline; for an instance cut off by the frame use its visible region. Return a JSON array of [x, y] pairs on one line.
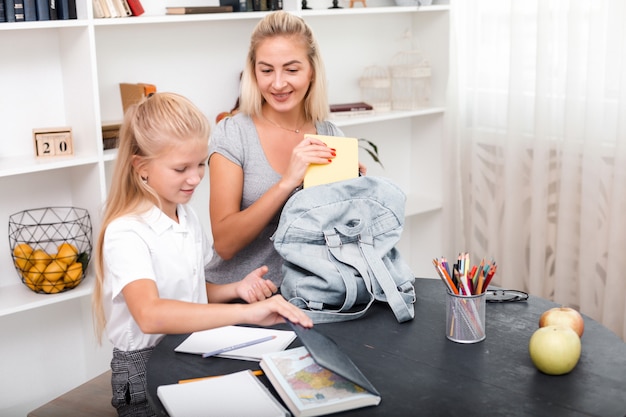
[[67, 73]]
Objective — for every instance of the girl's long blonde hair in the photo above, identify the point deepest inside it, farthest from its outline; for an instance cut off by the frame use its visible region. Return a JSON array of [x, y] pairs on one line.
[[150, 127], [281, 23]]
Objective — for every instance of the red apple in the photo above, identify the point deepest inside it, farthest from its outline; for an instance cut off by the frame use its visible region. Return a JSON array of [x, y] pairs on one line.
[[566, 316], [555, 349]]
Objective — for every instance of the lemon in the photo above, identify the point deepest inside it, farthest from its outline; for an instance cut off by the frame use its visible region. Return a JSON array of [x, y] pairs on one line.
[[40, 256], [22, 253], [55, 270], [73, 274], [30, 284], [68, 253], [23, 250], [52, 287], [36, 273]]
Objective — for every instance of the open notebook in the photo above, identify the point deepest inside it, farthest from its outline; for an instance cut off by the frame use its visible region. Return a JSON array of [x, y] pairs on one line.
[[213, 340]]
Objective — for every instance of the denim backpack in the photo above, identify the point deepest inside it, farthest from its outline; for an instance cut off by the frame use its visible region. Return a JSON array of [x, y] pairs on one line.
[[338, 242]]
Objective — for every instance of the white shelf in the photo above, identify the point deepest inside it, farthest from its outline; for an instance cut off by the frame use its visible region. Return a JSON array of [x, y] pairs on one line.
[[418, 204], [17, 297], [384, 116], [207, 17], [372, 10], [29, 164]]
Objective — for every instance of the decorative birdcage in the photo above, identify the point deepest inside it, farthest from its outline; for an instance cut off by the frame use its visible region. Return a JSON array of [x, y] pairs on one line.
[[375, 86], [410, 81]]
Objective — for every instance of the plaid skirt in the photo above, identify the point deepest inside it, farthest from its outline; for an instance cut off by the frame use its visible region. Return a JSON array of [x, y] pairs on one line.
[[129, 383]]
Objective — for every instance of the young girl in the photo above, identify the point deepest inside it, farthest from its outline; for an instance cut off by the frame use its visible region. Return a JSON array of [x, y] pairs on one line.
[[151, 252], [259, 156]]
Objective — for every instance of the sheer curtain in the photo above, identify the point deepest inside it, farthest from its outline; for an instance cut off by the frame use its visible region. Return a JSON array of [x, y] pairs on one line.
[[537, 148]]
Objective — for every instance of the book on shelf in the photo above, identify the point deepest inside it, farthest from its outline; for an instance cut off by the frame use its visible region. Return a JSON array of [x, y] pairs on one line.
[[63, 9], [237, 394], [110, 6], [136, 7], [3, 16], [359, 108], [198, 9], [98, 10], [43, 9], [122, 8], [318, 378], [18, 9], [350, 107], [53, 10], [222, 338], [30, 10], [345, 165], [72, 9]]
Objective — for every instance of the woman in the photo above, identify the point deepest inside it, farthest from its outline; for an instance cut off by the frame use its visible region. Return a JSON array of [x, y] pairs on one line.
[[258, 157]]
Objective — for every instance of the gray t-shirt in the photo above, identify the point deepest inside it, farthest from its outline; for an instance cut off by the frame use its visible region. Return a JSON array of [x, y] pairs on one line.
[[237, 140]]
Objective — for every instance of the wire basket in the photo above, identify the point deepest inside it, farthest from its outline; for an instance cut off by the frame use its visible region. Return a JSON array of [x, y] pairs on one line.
[[50, 247]]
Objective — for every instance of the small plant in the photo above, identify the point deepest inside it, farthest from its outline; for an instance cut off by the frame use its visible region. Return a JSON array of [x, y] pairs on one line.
[[371, 148]]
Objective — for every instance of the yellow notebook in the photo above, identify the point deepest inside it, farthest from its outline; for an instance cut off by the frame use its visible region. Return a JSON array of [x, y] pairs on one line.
[[345, 164]]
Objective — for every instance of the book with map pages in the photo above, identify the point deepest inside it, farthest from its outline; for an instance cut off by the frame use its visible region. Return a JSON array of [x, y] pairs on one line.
[[309, 389]]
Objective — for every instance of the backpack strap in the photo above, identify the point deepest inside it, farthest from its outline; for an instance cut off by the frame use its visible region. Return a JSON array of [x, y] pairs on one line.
[[333, 242], [372, 268], [402, 310]]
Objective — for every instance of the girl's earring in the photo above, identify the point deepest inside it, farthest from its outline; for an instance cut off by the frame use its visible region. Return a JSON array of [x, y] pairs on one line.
[[144, 180]]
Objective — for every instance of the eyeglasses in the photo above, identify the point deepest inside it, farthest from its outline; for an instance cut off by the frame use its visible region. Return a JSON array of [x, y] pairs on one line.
[[505, 296]]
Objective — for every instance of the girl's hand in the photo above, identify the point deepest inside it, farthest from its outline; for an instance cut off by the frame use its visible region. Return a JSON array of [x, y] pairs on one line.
[[254, 287], [276, 310], [309, 151]]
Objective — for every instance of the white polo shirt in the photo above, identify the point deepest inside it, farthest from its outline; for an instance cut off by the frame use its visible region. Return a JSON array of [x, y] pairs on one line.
[[152, 246]]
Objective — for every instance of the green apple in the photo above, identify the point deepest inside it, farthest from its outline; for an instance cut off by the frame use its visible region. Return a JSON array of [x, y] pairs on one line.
[[555, 349]]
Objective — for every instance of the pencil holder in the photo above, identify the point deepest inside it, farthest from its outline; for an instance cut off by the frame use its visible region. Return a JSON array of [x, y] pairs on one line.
[[50, 247], [465, 317]]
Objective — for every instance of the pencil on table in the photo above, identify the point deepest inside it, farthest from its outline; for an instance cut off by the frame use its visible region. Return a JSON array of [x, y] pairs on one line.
[[184, 381]]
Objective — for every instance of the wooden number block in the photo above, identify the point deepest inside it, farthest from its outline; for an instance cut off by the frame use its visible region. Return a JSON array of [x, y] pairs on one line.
[[53, 142]]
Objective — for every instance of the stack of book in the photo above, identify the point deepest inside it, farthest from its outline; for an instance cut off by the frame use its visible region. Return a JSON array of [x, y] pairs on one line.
[[358, 108], [199, 9], [33, 10], [117, 8]]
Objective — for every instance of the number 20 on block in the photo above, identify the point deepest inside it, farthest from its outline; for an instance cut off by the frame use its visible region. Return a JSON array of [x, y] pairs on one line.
[[53, 142]]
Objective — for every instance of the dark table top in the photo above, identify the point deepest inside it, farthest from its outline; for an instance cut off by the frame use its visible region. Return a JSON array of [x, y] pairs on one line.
[[418, 371]]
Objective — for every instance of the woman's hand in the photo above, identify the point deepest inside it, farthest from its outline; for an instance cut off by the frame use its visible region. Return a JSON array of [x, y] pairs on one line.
[[309, 151], [254, 287]]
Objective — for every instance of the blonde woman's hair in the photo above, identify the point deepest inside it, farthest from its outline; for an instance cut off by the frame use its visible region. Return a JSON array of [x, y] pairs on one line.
[[150, 128], [281, 23]]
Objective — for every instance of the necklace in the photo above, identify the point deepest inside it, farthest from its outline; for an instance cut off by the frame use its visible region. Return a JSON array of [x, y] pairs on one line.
[[285, 128]]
